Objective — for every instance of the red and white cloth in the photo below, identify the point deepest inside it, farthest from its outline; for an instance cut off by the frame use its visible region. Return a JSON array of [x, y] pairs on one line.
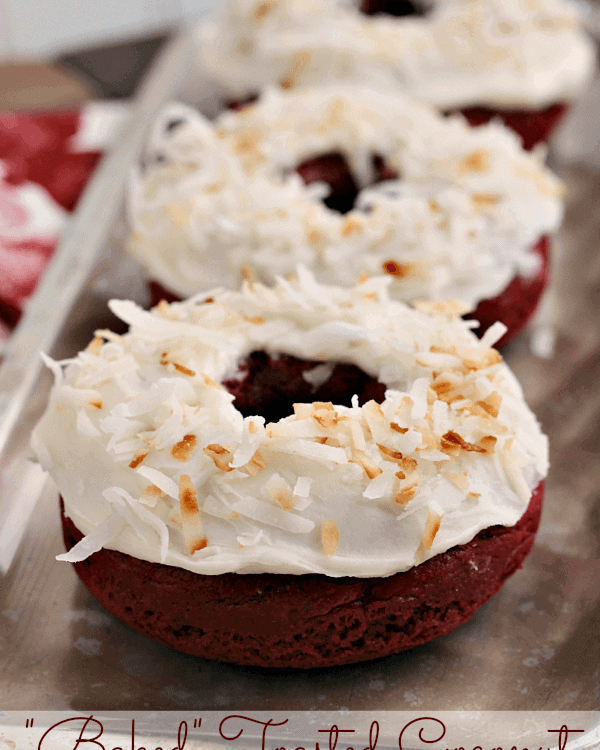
[[46, 159]]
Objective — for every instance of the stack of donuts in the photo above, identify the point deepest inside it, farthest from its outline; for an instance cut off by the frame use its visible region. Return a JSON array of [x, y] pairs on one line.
[[310, 451]]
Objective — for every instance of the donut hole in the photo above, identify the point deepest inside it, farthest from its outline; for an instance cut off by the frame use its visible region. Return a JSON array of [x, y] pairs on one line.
[[396, 8], [333, 168], [270, 386]]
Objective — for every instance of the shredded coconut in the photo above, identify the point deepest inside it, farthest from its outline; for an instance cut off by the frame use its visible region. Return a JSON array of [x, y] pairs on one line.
[[365, 490], [265, 220], [502, 53]]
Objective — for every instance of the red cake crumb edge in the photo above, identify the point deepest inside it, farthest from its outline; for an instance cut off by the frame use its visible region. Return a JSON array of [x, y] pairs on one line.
[[533, 126], [306, 621], [517, 303]]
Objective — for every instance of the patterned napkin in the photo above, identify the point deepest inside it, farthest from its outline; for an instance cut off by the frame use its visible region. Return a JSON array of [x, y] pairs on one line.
[[46, 159]]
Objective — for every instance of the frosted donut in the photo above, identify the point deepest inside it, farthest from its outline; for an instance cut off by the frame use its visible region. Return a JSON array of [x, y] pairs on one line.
[[460, 220], [181, 453], [504, 55]]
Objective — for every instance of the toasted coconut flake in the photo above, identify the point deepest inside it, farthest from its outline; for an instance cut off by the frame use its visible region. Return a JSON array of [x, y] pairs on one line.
[[475, 495], [161, 480], [389, 454], [477, 359], [314, 236], [184, 449], [371, 469], [96, 403], [452, 443], [303, 411], [280, 491], [488, 444], [432, 526], [330, 537], [460, 480], [152, 491], [95, 346], [263, 9], [406, 494], [137, 459], [209, 382], [482, 201], [409, 464], [477, 161], [220, 455], [256, 319], [299, 63], [398, 270], [374, 410], [326, 405], [428, 439], [491, 404], [248, 275], [255, 464], [183, 370], [326, 418], [397, 428], [190, 515], [363, 278], [351, 226]]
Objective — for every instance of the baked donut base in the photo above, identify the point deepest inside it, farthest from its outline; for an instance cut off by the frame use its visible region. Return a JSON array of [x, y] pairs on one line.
[[305, 621], [514, 306]]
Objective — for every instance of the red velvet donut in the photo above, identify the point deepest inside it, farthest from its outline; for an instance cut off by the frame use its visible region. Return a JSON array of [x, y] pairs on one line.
[[306, 621]]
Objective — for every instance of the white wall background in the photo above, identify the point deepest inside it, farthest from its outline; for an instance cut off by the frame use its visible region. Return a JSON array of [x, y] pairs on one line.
[[38, 29]]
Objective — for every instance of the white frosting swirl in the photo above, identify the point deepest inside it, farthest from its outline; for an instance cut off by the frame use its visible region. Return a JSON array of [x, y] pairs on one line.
[[500, 53], [459, 223], [152, 458]]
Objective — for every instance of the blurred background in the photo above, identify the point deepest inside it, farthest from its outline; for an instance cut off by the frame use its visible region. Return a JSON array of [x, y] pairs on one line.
[[68, 51]]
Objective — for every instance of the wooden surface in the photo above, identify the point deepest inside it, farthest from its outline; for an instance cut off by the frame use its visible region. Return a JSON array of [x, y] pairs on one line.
[[40, 86], [533, 646]]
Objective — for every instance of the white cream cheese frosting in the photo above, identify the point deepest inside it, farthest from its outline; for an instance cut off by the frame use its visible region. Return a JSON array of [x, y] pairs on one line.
[[153, 459], [459, 222], [499, 53]]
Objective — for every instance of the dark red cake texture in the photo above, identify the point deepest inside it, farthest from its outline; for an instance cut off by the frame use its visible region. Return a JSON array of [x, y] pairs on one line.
[[306, 621], [532, 125], [269, 386]]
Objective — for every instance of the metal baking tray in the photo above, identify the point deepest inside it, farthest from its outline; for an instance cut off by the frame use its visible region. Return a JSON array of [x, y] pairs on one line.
[[534, 646]]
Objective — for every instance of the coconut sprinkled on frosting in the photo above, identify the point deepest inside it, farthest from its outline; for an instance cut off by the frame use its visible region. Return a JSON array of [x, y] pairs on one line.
[[459, 221], [168, 470], [503, 53]]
